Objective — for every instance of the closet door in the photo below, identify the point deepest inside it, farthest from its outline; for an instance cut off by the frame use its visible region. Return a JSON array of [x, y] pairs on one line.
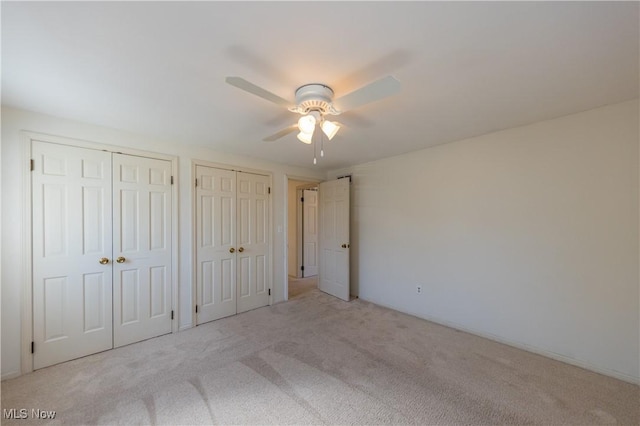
[[253, 241], [72, 272], [215, 243], [141, 248]]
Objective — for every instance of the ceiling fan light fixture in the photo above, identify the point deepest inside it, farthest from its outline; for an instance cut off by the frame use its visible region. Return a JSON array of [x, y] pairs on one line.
[[306, 137], [330, 128], [307, 124]]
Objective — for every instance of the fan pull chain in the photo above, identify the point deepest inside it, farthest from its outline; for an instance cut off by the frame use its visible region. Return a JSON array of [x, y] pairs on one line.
[[314, 154], [321, 145]]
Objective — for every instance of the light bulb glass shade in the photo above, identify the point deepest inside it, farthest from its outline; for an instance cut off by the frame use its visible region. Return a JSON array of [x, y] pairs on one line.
[[330, 128], [307, 123], [305, 137]]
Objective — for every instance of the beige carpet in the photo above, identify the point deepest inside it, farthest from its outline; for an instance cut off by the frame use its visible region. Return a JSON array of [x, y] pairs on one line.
[[299, 286], [318, 360]]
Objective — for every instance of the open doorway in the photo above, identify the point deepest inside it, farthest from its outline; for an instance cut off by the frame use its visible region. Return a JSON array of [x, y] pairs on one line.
[[302, 242]]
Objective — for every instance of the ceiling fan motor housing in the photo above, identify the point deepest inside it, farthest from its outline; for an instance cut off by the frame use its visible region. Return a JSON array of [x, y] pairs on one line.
[[314, 97]]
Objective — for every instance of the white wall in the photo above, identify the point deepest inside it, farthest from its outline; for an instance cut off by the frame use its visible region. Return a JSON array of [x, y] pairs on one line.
[[528, 236], [13, 187]]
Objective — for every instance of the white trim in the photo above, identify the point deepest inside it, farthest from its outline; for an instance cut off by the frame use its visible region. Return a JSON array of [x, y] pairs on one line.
[[26, 358], [299, 231], [26, 318], [194, 248], [543, 352], [175, 245]]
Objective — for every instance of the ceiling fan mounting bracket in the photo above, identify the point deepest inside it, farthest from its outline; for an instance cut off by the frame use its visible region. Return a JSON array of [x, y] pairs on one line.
[[314, 97]]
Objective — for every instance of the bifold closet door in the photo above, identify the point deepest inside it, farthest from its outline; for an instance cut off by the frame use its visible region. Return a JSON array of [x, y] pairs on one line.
[[72, 271], [232, 242], [141, 248]]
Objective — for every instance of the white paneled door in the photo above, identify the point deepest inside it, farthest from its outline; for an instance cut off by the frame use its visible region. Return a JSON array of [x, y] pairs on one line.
[[141, 248], [232, 242], [215, 243], [310, 232], [89, 208], [72, 273], [252, 241], [334, 238]]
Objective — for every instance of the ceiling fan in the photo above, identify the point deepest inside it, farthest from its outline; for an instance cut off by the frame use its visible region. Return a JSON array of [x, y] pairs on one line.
[[315, 101]]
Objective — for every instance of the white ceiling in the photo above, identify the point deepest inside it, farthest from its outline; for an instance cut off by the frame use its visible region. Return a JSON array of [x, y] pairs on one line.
[[158, 68]]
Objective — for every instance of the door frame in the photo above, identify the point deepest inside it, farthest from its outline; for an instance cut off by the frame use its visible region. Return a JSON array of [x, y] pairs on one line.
[[26, 320], [313, 182], [194, 236]]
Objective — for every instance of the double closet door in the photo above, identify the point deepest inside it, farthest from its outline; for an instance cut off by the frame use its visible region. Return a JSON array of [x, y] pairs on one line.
[[232, 242], [101, 250]]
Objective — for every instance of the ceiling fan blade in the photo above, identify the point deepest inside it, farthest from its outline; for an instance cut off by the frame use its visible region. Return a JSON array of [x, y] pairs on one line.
[[281, 133], [243, 84], [377, 90]]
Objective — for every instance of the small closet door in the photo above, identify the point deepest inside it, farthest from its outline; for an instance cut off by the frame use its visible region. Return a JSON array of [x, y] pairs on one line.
[[142, 248], [72, 272]]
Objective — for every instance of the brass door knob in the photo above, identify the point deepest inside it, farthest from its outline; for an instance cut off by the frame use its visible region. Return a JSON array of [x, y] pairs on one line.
[[241, 249], [104, 261], [120, 259], [232, 250]]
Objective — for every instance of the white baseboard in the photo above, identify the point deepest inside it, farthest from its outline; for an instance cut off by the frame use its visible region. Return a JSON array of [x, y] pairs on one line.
[[558, 357], [10, 375]]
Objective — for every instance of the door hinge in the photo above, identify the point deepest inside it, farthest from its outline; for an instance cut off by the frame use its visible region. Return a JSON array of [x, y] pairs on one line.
[[302, 268], [196, 182], [171, 314], [171, 180], [269, 191], [302, 200], [269, 292], [196, 309], [33, 347], [32, 164]]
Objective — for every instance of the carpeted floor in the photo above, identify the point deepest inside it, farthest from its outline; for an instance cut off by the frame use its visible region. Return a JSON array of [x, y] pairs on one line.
[[319, 360], [299, 286]]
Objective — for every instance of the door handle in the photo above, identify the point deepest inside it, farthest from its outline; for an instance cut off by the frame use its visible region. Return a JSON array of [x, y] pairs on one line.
[[232, 250], [346, 245], [120, 259], [104, 261], [241, 249]]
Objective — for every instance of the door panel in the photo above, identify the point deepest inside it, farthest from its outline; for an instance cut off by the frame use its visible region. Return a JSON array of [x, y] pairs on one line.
[[253, 220], [232, 241], [142, 220], [215, 236], [334, 238], [310, 232], [72, 293]]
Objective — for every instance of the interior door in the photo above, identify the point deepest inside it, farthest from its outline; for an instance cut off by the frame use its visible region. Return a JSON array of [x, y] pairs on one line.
[[334, 238], [142, 248], [252, 241], [215, 243], [310, 232], [72, 272]]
